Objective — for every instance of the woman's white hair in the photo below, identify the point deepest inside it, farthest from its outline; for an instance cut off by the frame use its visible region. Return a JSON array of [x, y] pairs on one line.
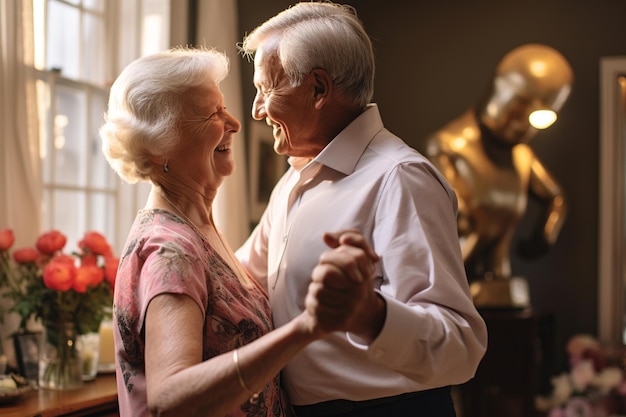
[[145, 106], [321, 35]]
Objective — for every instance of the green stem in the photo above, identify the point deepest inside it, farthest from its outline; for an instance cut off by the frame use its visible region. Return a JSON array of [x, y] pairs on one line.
[[63, 370]]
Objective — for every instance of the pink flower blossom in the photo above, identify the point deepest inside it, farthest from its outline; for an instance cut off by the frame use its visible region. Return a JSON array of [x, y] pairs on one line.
[[578, 407], [583, 374], [556, 412]]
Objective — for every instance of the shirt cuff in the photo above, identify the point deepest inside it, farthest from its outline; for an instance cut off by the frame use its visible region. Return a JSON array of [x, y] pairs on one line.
[[397, 328]]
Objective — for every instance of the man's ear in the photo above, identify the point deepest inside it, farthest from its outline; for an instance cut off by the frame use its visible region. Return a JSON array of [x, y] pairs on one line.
[[322, 86]]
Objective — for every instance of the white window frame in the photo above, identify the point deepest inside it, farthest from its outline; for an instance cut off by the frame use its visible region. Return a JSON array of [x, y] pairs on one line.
[[123, 43]]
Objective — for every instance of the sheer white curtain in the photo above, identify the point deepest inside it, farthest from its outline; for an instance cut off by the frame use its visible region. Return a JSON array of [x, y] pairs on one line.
[[20, 178], [217, 27]]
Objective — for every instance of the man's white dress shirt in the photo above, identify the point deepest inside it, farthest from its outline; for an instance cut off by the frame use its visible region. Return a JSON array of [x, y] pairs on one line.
[[369, 179]]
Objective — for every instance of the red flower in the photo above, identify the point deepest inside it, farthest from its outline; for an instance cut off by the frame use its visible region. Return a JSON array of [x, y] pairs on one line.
[[25, 255], [7, 238], [46, 283], [86, 260], [51, 242], [110, 269], [95, 243], [87, 276], [60, 273]]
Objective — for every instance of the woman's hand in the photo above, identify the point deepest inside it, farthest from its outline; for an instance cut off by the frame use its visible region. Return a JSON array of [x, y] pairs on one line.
[[341, 295]]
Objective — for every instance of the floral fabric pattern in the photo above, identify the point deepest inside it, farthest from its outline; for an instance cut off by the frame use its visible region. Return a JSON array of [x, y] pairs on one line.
[[165, 255]]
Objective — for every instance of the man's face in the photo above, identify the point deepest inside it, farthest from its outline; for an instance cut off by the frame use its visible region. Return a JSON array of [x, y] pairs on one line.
[[290, 111]]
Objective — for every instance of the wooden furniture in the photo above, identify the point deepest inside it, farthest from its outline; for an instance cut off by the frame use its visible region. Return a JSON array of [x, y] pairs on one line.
[[94, 398], [515, 368]]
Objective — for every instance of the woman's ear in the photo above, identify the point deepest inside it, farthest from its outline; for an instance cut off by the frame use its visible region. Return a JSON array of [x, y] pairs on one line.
[[161, 161], [322, 87]]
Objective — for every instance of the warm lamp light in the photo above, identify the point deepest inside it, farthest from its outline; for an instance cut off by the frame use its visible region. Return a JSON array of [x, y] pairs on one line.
[[542, 119]]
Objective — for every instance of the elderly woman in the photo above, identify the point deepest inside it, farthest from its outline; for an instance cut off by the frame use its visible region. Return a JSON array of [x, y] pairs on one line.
[[192, 329]]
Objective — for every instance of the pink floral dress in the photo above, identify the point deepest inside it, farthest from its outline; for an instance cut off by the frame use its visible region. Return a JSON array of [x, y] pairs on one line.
[[163, 254]]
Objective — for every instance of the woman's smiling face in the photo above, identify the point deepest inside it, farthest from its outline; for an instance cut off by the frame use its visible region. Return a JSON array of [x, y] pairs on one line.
[[207, 130]]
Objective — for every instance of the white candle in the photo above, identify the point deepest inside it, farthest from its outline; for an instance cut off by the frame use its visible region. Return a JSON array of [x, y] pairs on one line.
[[106, 357]]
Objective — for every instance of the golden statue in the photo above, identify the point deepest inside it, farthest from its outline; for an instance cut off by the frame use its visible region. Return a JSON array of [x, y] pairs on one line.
[[485, 157]]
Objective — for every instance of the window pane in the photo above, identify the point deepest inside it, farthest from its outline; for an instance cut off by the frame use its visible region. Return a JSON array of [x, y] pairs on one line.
[[63, 38], [102, 176], [47, 207], [93, 57], [102, 215], [45, 142], [89, 41], [155, 26], [95, 5], [70, 136], [69, 215]]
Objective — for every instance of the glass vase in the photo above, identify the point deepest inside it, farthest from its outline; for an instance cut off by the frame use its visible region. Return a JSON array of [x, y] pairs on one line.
[[60, 362], [89, 347]]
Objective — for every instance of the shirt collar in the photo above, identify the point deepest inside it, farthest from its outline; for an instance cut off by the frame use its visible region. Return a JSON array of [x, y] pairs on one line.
[[344, 151]]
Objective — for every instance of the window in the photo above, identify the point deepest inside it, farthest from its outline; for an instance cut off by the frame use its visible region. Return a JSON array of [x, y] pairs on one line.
[[81, 46]]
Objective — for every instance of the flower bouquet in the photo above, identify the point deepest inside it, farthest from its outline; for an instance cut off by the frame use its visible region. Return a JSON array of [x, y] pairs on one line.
[[595, 386], [70, 294]]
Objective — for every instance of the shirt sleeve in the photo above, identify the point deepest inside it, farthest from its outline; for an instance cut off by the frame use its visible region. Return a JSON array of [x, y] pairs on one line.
[[253, 253], [432, 330]]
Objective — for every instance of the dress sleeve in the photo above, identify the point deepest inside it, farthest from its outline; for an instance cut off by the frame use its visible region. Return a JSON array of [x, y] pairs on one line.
[[175, 264]]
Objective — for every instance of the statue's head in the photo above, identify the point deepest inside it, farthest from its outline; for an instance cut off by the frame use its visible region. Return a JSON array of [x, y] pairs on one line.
[[529, 78]]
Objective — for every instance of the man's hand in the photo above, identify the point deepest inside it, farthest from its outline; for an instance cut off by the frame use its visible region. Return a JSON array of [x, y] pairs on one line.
[[341, 296]]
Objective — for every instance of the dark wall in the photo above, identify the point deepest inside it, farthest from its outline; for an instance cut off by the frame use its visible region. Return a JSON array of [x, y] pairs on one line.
[[435, 59]]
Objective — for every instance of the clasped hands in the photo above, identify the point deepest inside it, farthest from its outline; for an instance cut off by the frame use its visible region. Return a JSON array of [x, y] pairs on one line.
[[341, 296]]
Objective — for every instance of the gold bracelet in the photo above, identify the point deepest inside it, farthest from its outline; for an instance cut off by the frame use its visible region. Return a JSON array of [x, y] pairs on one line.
[[254, 396]]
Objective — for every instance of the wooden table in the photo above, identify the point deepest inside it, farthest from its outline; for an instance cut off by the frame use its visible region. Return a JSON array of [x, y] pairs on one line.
[[94, 398]]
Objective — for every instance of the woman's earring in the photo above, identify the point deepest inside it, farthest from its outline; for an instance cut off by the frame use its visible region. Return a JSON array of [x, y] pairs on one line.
[[165, 167]]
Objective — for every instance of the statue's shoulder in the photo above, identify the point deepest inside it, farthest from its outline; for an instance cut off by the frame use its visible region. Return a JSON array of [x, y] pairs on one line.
[[456, 134], [523, 150]]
